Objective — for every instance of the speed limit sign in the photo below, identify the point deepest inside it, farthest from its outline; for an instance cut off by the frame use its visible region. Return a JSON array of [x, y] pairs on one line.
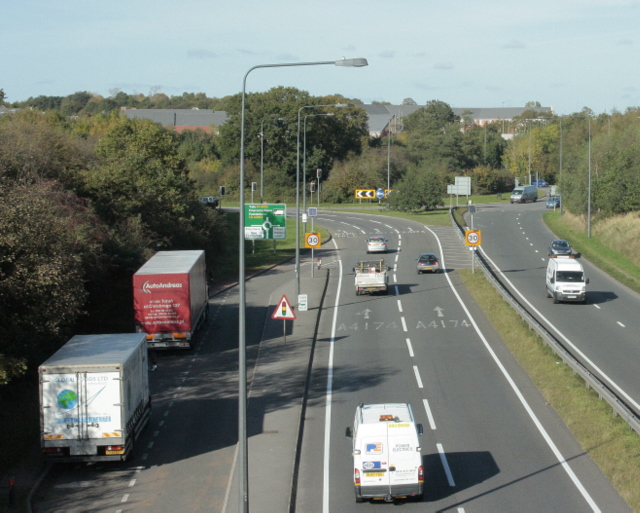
[[312, 240], [472, 237]]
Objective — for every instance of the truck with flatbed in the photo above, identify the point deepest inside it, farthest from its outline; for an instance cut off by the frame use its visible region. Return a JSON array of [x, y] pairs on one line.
[[371, 276], [94, 398], [171, 298]]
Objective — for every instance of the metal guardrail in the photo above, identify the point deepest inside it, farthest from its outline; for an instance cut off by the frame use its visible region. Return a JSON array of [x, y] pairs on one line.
[[620, 407]]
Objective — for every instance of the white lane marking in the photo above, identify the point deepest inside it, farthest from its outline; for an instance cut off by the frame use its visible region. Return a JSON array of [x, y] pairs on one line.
[[410, 348], [404, 324], [417, 373], [125, 497], [327, 420], [397, 291], [397, 257], [566, 340], [395, 278], [400, 306], [132, 483], [618, 322], [561, 459], [445, 464], [598, 307], [432, 422]]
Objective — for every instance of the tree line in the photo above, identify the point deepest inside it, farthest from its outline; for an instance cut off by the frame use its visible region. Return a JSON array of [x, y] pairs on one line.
[[89, 195]]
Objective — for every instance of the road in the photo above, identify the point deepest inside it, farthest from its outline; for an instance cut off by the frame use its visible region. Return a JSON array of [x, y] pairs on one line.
[[490, 443]]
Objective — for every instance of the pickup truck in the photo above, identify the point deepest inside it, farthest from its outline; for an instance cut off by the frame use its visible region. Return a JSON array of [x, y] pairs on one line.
[[371, 276]]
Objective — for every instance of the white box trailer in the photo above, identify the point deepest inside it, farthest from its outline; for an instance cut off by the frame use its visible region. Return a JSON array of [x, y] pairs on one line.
[[94, 397], [387, 456]]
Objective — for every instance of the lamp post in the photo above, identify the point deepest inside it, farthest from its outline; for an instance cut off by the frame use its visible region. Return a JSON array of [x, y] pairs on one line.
[[389, 155], [589, 187], [297, 264], [560, 171], [243, 468], [262, 155]]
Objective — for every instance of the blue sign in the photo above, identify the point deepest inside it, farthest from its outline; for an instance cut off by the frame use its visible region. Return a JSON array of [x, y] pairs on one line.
[[380, 194]]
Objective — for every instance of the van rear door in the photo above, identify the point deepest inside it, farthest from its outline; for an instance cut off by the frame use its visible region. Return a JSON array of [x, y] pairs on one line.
[[404, 458], [375, 462]]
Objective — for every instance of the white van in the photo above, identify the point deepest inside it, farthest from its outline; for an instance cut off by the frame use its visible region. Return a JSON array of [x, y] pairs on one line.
[[565, 279], [387, 457], [524, 193]]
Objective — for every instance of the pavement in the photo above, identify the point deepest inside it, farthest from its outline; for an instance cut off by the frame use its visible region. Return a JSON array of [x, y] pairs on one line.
[[273, 448]]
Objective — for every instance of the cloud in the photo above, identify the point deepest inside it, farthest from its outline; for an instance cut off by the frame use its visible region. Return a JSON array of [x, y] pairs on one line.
[[387, 54], [514, 44], [200, 53], [443, 65], [625, 42]]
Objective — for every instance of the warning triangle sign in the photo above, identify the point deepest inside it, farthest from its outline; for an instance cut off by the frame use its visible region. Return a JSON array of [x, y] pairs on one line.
[[284, 310]]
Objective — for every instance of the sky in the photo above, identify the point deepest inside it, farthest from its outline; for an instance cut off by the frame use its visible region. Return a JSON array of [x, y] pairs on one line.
[[565, 54]]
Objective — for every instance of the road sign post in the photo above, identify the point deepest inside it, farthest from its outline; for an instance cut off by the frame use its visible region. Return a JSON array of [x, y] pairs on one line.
[[284, 311]]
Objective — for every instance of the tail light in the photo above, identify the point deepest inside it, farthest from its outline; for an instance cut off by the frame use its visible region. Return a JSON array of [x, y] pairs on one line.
[[420, 475], [356, 476]]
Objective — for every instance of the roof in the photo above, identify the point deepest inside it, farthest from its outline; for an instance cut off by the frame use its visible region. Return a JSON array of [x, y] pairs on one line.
[[95, 350], [171, 262], [196, 118], [371, 412]]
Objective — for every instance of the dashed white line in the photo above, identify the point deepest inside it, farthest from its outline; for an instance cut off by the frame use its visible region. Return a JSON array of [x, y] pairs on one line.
[[125, 497], [618, 322], [404, 324], [410, 348], [432, 422], [417, 373], [400, 306], [132, 483], [445, 464]]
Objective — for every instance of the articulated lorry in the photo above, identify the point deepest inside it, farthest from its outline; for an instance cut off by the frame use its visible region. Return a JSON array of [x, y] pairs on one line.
[[94, 398], [170, 298]]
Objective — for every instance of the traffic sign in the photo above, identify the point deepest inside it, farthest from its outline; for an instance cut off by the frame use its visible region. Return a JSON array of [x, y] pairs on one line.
[[473, 237], [312, 240], [265, 221], [380, 194], [284, 310], [312, 211], [365, 193]]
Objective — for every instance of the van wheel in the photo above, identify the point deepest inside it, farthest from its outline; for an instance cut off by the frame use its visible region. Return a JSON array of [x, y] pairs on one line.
[[555, 299], [359, 499], [548, 295]]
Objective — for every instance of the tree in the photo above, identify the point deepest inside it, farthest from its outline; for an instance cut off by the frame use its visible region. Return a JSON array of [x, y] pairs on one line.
[[421, 188], [2, 96]]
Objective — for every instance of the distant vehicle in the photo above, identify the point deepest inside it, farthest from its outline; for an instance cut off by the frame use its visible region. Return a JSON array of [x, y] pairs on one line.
[[377, 244], [371, 276], [524, 193], [387, 459], [428, 262], [553, 202], [540, 183], [210, 201], [559, 247]]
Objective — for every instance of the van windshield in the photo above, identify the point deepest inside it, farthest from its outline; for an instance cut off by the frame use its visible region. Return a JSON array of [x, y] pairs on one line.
[[516, 193], [573, 276]]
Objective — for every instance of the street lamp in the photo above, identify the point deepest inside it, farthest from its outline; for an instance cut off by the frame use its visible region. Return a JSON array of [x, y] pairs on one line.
[[297, 264], [262, 155], [243, 468], [589, 201], [389, 155]]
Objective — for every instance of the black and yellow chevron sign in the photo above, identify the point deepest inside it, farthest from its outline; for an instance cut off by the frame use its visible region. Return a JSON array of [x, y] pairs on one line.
[[365, 193]]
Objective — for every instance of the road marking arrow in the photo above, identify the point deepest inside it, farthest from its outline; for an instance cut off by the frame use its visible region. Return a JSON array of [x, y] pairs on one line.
[[439, 311]]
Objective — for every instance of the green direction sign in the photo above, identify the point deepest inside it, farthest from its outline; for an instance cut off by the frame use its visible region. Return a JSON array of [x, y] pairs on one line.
[[265, 222]]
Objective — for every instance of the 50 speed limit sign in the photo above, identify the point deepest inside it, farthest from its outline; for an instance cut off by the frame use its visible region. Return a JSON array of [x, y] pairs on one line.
[[472, 237], [312, 240]]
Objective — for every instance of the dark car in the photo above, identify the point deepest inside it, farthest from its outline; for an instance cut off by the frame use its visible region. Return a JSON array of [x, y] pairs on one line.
[[428, 262], [553, 202], [559, 247], [210, 201]]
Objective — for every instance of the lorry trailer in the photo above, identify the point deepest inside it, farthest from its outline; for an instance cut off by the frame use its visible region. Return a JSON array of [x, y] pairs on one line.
[[94, 398], [170, 298]]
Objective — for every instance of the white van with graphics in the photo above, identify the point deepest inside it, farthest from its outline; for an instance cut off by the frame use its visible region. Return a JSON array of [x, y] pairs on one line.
[[524, 193], [565, 279], [387, 457]]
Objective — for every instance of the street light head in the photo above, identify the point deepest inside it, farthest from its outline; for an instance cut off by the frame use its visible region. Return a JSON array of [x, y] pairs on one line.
[[353, 63], [340, 105]]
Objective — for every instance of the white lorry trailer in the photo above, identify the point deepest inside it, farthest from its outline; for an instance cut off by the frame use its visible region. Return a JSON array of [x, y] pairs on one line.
[[170, 298], [387, 456], [94, 397], [371, 276]]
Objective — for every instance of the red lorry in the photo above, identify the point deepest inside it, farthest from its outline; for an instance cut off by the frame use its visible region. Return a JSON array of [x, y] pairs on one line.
[[170, 298]]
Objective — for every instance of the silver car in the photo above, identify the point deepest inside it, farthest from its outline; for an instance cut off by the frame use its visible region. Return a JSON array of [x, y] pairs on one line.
[[428, 262], [377, 244], [559, 247]]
